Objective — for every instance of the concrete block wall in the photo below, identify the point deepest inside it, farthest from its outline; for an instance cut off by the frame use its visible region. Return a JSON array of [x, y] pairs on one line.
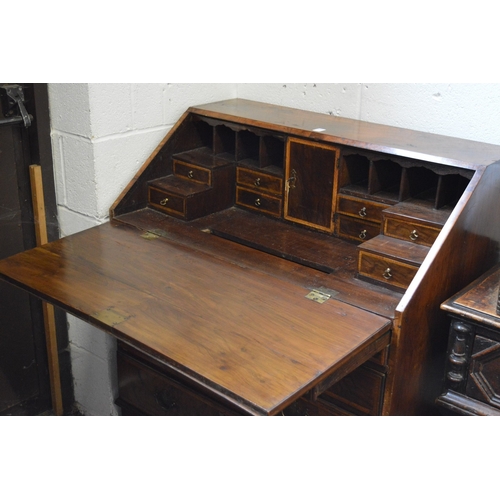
[[465, 110], [102, 133]]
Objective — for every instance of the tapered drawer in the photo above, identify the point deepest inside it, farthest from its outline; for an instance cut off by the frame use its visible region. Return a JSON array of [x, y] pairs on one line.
[[259, 181], [418, 233], [356, 229], [360, 208], [385, 270], [192, 172], [167, 202], [256, 200], [155, 394]]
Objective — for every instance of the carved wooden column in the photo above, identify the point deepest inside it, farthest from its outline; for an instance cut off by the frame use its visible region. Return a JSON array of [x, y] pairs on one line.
[[459, 353]]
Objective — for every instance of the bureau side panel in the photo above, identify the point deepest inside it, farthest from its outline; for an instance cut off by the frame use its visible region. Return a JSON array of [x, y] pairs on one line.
[[467, 246]]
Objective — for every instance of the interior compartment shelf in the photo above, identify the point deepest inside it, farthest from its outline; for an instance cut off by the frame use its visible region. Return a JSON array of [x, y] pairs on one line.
[[385, 180]]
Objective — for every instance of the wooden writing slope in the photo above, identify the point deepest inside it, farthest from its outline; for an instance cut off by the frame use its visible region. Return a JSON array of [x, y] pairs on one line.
[[268, 261]]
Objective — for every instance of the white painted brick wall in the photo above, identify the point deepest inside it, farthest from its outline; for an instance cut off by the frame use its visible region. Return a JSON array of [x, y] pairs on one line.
[[102, 133], [468, 111]]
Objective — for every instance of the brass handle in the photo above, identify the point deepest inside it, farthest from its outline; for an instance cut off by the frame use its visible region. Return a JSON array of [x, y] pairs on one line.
[[257, 202], [362, 234], [190, 174], [257, 182], [413, 235], [292, 180], [387, 274], [362, 212], [164, 202]]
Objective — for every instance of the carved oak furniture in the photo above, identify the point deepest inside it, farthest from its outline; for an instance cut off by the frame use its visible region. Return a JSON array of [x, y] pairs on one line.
[[267, 261], [472, 381]]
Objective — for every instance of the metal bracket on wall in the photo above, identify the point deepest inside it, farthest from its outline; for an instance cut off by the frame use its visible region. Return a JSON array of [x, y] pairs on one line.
[[11, 99]]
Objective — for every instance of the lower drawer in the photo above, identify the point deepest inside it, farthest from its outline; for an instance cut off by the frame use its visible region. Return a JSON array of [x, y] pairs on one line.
[[355, 229], [258, 201], [153, 393], [385, 270], [167, 202]]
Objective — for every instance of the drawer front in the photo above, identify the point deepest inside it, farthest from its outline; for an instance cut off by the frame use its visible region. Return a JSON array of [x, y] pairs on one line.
[[359, 393], [192, 172], [385, 270], [155, 394], [356, 229], [259, 181], [167, 202], [361, 209], [403, 230], [258, 201]]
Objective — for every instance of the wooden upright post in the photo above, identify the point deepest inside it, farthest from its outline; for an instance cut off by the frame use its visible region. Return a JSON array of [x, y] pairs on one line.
[[48, 309]]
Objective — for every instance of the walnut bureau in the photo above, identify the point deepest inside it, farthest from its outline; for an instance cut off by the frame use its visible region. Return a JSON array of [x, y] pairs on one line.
[[271, 261]]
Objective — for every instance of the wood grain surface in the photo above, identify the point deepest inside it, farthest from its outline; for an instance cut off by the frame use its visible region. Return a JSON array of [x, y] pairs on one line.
[[243, 333]]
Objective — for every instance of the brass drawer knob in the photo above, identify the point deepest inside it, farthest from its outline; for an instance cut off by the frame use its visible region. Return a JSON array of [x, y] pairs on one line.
[[190, 174], [362, 234], [362, 212], [164, 202], [257, 202], [413, 235], [387, 274], [257, 182]]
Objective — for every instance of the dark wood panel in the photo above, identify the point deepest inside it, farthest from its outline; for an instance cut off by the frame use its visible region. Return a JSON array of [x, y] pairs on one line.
[[309, 193], [484, 379]]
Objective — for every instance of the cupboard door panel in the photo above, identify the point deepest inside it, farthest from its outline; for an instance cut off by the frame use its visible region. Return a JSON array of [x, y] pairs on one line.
[[309, 193]]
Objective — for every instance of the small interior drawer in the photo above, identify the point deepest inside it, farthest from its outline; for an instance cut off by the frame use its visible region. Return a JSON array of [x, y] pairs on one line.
[[360, 208], [408, 231], [385, 270], [356, 229], [166, 202], [258, 201], [259, 181], [192, 172]]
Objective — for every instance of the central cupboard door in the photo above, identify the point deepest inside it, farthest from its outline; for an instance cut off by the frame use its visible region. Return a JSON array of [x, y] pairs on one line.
[[310, 186]]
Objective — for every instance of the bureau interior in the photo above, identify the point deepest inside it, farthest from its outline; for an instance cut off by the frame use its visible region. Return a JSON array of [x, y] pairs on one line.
[[348, 193], [360, 173]]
